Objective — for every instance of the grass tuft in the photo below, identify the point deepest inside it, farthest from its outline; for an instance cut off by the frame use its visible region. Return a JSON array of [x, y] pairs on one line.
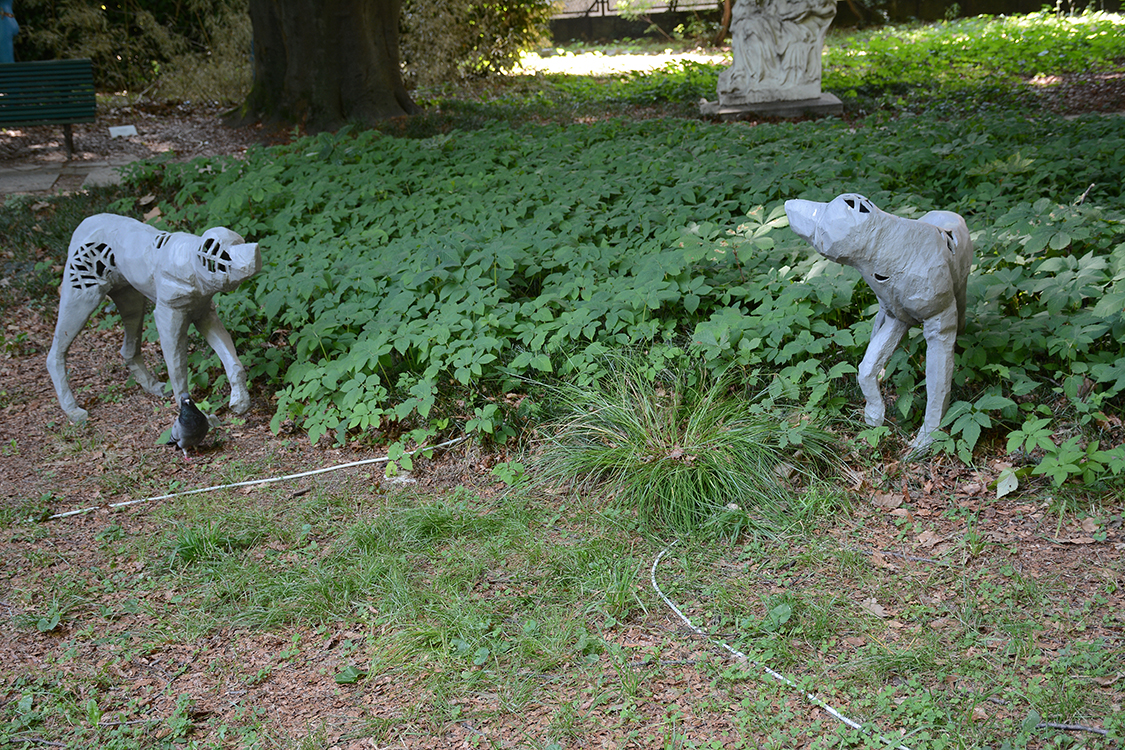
[[681, 450]]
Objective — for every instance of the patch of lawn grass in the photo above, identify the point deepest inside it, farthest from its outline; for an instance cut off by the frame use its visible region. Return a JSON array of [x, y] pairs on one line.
[[504, 606]]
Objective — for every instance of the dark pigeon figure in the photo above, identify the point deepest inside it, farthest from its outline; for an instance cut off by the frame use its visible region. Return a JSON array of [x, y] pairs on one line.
[[190, 427]]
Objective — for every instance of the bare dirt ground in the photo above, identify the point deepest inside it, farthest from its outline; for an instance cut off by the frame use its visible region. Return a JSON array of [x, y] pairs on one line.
[[45, 461], [188, 130]]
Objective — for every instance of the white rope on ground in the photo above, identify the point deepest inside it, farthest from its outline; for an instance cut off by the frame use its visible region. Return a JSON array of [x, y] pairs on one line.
[[743, 657], [381, 459]]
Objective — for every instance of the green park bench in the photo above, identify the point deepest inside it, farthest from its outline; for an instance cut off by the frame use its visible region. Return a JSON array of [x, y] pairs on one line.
[[47, 92]]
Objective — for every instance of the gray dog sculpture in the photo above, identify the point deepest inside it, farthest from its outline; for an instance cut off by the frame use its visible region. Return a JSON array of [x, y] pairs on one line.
[[918, 270], [134, 263]]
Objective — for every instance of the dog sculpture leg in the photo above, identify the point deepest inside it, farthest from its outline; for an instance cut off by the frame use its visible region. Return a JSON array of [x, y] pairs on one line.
[[75, 308], [132, 305], [216, 335], [885, 335], [941, 335], [172, 325]]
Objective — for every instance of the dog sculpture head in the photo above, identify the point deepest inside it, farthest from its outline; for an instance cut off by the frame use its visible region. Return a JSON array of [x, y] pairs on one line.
[[835, 229], [224, 260]]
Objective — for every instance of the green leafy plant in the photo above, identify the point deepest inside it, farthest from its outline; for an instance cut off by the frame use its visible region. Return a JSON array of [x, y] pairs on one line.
[[510, 473], [349, 675], [965, 422], [1078, 459], [910, 62]]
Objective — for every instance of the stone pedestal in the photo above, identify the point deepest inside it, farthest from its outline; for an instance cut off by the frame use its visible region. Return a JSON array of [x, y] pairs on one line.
[[821, 106]]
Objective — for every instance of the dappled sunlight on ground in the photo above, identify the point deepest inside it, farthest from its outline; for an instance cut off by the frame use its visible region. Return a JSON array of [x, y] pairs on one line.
[[600, 63]]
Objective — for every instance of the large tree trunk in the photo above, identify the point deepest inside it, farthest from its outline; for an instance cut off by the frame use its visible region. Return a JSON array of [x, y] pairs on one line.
[[322, 63]]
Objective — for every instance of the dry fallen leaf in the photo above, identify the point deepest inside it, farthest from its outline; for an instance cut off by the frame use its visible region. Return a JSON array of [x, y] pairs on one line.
[[857, 478], [929, 538], [887, 500], [1006, 483], [879, 560], [1090, 525], [873, 607]]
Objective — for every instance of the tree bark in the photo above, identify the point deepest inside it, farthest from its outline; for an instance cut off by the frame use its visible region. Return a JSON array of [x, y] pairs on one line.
[[724, 25], [324, 63]]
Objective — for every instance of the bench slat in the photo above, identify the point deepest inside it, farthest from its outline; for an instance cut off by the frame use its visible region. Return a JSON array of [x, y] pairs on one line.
[[47, 92]]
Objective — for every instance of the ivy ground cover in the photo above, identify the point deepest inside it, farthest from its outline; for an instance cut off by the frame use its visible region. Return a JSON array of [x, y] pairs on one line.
[[409, 284]]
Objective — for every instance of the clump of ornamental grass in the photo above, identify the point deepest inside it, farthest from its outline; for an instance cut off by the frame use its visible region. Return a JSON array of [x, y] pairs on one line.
[[685, 451]]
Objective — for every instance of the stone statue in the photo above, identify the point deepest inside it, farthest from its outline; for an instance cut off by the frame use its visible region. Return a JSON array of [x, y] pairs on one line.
[[776, 46], [134, 263], [918, 270]]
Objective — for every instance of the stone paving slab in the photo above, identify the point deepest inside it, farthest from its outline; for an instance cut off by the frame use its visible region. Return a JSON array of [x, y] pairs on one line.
[[27, 180], [101, 177], [41, 178]]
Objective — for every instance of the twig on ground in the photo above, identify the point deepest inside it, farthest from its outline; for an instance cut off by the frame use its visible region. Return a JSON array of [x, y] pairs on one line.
[[38, 741], [1070, 727]]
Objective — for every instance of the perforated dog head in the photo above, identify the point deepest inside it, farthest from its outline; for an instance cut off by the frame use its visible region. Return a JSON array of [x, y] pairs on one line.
[[831, 227], [223, 260]]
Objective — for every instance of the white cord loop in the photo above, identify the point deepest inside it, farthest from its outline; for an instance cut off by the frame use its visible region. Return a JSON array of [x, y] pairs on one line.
[[381, 459], [743, 657]]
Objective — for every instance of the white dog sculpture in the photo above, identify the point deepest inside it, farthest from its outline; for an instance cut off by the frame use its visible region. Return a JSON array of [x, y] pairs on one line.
[[918, 270], [134, 263]]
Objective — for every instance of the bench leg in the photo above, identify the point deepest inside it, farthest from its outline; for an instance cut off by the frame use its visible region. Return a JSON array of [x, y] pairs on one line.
[[69, 138]]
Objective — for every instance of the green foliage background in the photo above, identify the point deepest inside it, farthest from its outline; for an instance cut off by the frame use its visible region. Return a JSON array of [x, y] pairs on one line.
[[141, 46], [459, 39], [128, 41]]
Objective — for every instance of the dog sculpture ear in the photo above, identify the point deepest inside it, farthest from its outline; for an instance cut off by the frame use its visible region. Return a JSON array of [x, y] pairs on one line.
[[857, 202], [224, 259], [215, 249]]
